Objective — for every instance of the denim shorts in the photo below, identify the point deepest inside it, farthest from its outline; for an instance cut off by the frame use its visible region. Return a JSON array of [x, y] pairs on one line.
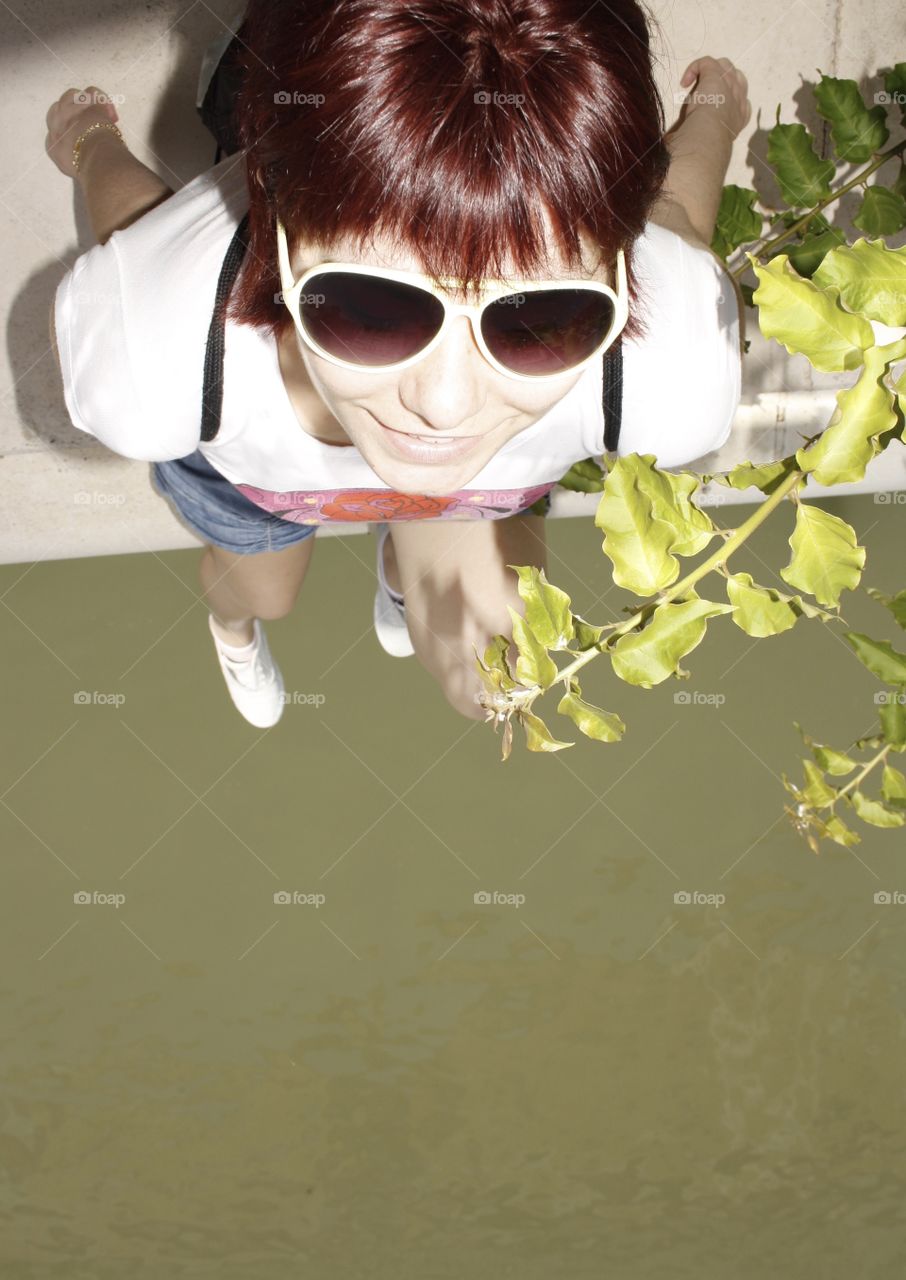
[[214, 508]]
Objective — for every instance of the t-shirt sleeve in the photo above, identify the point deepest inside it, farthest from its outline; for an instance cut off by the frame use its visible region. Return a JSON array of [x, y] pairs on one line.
[[682, 382], [91, 323]]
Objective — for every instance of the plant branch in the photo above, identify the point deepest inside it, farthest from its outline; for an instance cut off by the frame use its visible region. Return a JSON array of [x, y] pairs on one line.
[[766, 242]]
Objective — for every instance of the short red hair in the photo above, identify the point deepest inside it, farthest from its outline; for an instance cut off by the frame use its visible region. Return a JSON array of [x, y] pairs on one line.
[[447, 125]]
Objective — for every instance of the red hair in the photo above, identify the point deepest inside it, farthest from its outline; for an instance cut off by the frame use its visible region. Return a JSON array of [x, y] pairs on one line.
[[447, 125]]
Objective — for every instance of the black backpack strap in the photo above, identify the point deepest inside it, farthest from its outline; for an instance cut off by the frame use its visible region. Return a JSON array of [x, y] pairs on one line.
[[613, 395], [212, 391]]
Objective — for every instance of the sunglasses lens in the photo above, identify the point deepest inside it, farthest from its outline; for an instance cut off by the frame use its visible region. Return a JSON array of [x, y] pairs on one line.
[[548, 331], [366, 320]]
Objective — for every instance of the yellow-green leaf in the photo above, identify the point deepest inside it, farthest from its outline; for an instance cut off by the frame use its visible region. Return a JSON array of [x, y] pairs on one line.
[[765, 476], [876, 813], [831, 761], [881, 213], [807, 320], [826, 558], [758, 611], [850, 441], [896, 604], [893, 786], [547, 608], [871, 279], [636, 541], [892, 715], [839, 832], [534, 665], [605, 726], [646, 658], [881, 658], [538, 736]]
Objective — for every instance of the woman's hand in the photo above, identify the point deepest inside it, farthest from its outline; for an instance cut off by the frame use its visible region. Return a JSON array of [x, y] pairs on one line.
[[718, 86], [70, 116]]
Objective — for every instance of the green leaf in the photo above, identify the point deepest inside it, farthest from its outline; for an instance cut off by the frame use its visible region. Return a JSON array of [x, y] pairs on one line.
[[647, 515], [646, 658], [876, 813], [533, 666], [583, 477], [538, 736], [816, 793], [635, 540], [765, 476], [864, 411], [893, 786], [810, 252], [858, 131], [497, 660], [871, 279], [837, 831], [586, 635], [881, 213], [804, 179], [895, 84], [547, 608], [605, 726], [807, 320], [738, 222], [896, 604], [758, 611], [892, 715], [881, 659], [826, 559], [833, 762]]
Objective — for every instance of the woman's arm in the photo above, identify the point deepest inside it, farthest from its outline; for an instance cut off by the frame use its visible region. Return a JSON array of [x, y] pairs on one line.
[[700, 146], [117, 187]]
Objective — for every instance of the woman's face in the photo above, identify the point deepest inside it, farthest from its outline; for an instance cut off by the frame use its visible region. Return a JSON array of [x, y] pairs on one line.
[[452, 393]]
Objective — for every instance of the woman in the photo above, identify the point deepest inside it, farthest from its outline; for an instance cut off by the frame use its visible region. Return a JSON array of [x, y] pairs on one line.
[[396, 163]]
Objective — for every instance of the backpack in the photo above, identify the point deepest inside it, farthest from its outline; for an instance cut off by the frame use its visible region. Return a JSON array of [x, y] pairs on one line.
[[218, 83]]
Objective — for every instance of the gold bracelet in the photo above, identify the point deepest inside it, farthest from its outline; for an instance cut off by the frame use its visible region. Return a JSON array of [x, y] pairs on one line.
[[99, 124]]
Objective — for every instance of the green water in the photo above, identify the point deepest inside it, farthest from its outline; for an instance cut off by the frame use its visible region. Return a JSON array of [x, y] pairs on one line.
[[200, 1082]]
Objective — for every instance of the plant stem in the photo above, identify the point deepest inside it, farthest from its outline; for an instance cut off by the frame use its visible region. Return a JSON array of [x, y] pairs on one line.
[[739, 536], [858, 778], [766, 243]]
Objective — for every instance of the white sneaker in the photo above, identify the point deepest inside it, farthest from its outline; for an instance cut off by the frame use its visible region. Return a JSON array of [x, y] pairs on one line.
[[389, 611], [254, 683]]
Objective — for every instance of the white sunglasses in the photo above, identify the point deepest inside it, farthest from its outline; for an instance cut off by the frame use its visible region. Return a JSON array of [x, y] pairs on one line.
[[376, 320]]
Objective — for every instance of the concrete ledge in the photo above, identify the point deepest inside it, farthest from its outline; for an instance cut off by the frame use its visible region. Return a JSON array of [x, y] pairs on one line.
[[69, 503]]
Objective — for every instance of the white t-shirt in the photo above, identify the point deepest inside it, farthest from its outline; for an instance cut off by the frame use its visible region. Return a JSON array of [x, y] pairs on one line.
[[132, 319]]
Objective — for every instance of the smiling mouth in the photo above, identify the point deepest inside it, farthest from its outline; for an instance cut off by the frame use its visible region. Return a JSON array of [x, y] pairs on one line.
[[432, 439]]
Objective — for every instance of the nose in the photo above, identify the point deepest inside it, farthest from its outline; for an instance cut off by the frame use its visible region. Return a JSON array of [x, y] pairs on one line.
[[449, 387]]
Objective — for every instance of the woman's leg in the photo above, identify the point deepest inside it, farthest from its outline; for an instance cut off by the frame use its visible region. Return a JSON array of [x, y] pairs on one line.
[[240, 588], [454, 577]]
